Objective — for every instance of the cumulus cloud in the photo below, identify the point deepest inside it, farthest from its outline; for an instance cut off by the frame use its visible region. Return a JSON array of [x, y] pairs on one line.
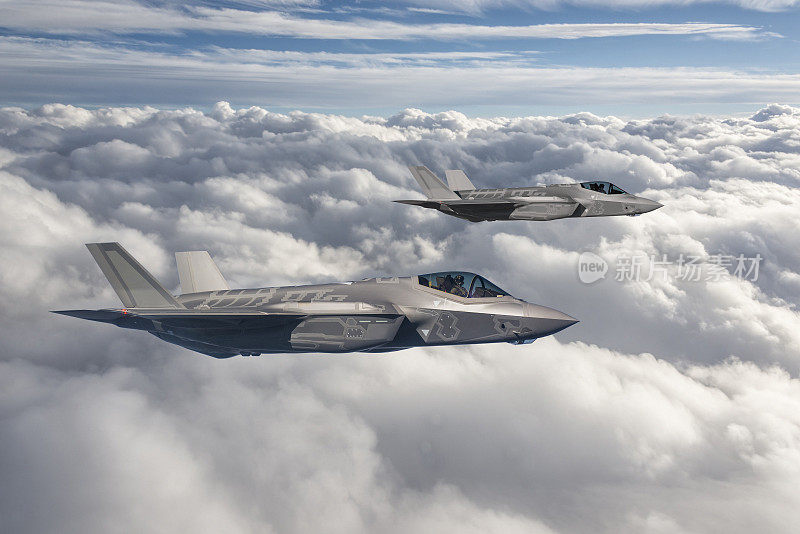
[[672, 406], [477, 439]]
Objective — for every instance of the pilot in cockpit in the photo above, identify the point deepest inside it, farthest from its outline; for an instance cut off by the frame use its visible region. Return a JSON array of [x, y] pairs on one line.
[[453, 285], [458, 286], [446, 283]]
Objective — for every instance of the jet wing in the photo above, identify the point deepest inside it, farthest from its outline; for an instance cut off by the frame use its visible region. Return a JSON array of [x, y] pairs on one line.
[[215, 351], [157, 319], [510, 201], [482, 202], [541, 208], [221, 319], [474, 210], [481, 209], [462, 202], [517, 201], [216, 332], [146, 319]]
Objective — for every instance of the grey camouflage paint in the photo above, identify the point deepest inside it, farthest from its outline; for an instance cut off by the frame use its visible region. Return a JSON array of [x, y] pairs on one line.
[[372, 315], [539, 203]]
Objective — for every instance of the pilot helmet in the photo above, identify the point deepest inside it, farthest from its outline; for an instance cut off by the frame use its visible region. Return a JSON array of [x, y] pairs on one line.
[[459, 279]]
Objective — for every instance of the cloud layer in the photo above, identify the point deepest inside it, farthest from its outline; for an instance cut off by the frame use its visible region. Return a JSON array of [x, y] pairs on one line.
[[376, 57], [671, 407], [128, 17], [479, 6], [39, 70]]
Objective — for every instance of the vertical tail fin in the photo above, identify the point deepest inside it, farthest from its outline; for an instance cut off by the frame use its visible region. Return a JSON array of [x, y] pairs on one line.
[[198, 272], [458, 181], [135, 286], [432, 186]]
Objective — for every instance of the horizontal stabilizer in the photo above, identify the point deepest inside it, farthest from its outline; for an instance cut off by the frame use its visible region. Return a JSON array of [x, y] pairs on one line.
[[198, 272], [458, 181], [423, 203], [432, 186], [134, 285], [102, 316]]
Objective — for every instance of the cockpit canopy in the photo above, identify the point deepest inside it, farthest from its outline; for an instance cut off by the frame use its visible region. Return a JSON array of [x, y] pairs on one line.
[[603, 187], [462, 284]]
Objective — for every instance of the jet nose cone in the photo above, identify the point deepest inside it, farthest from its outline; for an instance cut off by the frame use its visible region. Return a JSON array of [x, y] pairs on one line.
[[646, 205], [560, 324], [547, 321], [543, 312]]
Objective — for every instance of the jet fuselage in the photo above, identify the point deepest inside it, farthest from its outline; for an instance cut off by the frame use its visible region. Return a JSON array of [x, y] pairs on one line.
[[378, 314], [546, 203], [372, 315], [539, 203]]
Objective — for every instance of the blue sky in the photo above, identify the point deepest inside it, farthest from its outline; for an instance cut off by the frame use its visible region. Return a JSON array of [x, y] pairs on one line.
[[511, 57]]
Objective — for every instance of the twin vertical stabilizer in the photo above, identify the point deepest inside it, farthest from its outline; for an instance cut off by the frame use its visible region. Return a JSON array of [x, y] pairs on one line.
[[199, 273], [458, 181], [135, 286], [432, 186], [435, 189]]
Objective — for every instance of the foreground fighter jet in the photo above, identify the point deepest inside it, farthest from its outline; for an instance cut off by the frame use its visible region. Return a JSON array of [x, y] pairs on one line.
[[373, 315], [541, 203]]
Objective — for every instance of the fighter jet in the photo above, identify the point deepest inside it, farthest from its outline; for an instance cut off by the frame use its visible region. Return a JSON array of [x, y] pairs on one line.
[[372, 315], [541, 203]]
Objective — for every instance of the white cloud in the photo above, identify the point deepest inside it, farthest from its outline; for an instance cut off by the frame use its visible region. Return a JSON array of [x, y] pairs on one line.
[[479, 6], [670, 407], [81, 16], [473, 440], [32, 67]]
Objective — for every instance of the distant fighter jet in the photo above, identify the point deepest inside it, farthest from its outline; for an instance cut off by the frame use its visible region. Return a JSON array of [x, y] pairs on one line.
[[373, 315], [541, 203]]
